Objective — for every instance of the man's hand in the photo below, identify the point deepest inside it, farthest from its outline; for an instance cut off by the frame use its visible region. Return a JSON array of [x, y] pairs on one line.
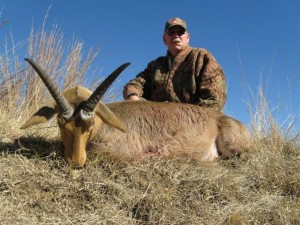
[[133, 96]]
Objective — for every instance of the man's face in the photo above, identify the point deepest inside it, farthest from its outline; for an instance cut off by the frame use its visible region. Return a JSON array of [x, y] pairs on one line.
[[176, 38]]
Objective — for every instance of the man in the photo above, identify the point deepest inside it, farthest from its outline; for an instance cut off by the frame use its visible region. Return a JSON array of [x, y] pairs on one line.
[[185, 74]]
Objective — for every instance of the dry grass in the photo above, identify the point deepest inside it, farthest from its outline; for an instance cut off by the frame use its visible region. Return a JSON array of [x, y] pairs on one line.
[[37, 187]]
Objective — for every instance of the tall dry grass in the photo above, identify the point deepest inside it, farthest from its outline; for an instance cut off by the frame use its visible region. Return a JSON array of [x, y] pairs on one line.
[[37, 187], [22, 91]]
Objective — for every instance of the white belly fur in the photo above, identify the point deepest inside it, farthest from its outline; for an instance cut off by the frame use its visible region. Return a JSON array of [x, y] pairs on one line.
[[212, 152]]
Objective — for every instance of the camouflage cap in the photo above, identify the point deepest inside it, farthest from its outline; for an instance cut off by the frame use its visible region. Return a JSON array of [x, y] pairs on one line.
[[175, 22]]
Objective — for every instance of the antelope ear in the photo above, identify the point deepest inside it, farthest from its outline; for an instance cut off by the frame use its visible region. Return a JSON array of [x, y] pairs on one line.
[[109, 117], [42, 115]]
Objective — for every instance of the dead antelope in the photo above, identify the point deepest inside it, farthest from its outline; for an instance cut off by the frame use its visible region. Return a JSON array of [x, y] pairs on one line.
[[137, 128]]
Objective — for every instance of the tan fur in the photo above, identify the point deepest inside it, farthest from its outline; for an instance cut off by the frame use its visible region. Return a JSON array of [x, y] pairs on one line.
[[235, 136], [154, 129], [165, 129]]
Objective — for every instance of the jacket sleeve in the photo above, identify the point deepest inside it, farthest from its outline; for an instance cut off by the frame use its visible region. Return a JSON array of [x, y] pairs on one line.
[[211, 81], [141, 84]]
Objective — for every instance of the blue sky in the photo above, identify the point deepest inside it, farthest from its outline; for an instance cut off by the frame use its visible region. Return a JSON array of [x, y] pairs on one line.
[[253, 40]]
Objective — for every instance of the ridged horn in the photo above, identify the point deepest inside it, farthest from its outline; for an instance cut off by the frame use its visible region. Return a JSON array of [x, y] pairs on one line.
[[93, 100], [65, 109]]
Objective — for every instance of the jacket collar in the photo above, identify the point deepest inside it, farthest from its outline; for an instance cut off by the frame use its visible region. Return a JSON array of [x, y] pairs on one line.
[[179, 57]]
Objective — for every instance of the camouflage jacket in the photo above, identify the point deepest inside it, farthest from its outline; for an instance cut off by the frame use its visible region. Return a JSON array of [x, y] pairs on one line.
[[193, 76]]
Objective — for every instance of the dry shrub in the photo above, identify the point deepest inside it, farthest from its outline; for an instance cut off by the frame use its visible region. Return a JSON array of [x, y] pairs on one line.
[[37, 187]]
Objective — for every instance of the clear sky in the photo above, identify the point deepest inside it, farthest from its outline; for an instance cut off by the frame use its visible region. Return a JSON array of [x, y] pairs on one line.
[[253, 40]]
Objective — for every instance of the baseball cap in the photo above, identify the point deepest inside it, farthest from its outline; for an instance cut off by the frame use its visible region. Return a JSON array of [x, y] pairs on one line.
[[175, 22]]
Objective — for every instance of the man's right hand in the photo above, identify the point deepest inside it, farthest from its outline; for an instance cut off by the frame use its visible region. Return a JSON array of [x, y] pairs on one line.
[[134, 97]]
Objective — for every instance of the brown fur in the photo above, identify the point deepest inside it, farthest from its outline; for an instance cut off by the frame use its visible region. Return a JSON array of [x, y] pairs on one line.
[[161, 129], [234, 136]]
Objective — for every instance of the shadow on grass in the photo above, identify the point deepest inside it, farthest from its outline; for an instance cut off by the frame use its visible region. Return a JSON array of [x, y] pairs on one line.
[[33, 147]]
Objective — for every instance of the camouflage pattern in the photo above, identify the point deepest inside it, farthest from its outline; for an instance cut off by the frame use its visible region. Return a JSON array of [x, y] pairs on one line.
[[175, 22], [193, 76]]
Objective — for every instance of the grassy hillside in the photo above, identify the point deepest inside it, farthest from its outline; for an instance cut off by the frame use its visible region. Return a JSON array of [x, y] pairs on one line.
[[37, 187]]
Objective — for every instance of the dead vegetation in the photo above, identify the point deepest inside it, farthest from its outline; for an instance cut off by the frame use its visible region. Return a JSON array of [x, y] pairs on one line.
[[37, 187]]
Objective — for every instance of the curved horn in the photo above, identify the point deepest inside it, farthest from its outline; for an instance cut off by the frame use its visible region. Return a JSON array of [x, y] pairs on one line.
[[102, 88], [65, 109]]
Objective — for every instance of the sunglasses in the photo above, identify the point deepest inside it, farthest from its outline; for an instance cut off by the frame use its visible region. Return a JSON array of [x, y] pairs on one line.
[[178, 32]]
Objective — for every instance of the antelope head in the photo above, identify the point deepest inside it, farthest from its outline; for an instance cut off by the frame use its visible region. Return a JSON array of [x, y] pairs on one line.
[[80, 113]]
